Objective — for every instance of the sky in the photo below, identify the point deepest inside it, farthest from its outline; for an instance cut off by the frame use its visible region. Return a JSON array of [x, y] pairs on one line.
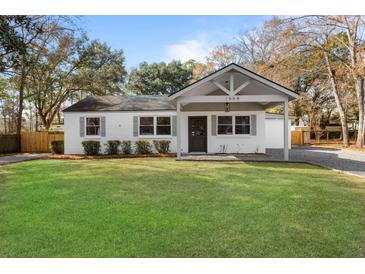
[[164, 38]]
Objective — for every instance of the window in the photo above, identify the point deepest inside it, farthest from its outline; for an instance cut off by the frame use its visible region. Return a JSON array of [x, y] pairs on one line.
[[225, 126], [93, 126], [146, 126], [155, 125], [242, 125], [163, 126]]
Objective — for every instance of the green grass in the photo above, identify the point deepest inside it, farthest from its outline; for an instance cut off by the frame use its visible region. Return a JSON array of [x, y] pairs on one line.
[[166, 208]]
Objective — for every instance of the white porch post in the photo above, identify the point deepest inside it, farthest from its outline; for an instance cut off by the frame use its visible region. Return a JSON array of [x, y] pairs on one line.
[[286, 132], [178, 129]]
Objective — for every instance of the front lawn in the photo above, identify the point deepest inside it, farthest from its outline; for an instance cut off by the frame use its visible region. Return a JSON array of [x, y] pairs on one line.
[[167, 208]]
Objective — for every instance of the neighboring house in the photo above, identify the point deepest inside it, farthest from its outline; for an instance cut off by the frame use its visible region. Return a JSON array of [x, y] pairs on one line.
[[222, 113]]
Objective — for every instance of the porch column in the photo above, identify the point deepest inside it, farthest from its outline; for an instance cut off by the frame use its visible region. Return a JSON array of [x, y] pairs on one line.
[[286, 132], [178, 129]]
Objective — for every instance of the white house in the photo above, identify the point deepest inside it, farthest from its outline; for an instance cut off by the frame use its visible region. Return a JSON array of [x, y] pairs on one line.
[[225, 112]]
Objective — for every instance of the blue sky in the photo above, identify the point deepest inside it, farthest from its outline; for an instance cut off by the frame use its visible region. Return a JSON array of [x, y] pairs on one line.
[[163, 38]]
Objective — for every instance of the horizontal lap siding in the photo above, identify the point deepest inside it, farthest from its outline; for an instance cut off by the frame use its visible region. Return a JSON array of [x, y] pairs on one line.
[[118, 126]]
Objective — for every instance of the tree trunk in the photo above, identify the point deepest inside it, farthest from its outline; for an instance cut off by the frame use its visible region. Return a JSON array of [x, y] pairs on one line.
[[343, 120], [341, 111], [5, 128], [59, 117], [359, 87], [21, 102], [36, 120]]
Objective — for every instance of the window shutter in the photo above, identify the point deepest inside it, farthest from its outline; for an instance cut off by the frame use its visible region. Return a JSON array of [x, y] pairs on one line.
[[135, 126], [102, 126], [173, 125], [82, 126], [214, 125], [253, 124]]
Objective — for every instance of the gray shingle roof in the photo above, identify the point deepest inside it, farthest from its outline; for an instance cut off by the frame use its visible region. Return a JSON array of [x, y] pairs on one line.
[[122, 103]]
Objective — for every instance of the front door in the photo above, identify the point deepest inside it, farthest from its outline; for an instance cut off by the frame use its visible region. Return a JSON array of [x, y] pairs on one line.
[[197, 134]]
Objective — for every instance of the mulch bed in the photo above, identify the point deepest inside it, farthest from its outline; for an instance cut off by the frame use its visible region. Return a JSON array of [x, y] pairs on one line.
[[84, 157]]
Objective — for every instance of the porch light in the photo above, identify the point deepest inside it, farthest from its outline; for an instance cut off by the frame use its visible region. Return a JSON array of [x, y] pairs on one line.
[[226, 107]]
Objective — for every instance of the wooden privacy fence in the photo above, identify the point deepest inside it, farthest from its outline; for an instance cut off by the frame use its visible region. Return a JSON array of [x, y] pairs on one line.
[[297, 137], [39, 141], [9, 144]]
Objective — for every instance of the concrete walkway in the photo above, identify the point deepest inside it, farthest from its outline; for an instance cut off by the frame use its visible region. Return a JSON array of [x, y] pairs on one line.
[[4, 160], [347, 161]]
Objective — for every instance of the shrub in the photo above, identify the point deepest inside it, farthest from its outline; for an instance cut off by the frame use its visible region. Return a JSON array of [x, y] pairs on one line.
[[143, 147], [57, 147], [162, 146], [127, 147], [112, 147], [91, 147]]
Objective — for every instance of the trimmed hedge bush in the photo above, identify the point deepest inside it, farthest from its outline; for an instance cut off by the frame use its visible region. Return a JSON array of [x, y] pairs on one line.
[[126, 147], [112, 147], [162, 146], [91, 147], [57, 147], [143, 147]]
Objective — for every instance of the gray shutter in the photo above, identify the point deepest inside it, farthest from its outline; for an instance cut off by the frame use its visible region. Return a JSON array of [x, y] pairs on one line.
[[135, 126], [82, 126], [173, 126], [253, 124], [214, 125], [102, 126]]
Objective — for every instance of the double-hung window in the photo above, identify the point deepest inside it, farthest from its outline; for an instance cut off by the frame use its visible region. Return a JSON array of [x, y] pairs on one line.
[[242, 125], [146, 126], [225, 126], [233, 125], [160, 125], [163, 126], [92, 126]]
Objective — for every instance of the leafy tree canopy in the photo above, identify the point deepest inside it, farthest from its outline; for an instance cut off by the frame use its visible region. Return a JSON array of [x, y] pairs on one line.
[[160, 78], [13, 40]]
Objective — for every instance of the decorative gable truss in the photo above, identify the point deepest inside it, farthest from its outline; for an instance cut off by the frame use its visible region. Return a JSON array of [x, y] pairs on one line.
[[232, 91]]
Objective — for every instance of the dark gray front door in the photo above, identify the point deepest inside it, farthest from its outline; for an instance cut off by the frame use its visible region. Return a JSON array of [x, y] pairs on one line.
[[198, 134]]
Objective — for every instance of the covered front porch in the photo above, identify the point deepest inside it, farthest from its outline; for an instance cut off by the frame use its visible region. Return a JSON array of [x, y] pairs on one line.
[[225, 113]]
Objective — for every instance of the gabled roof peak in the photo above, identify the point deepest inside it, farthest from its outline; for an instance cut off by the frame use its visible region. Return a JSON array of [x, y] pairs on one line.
[[292, 94]]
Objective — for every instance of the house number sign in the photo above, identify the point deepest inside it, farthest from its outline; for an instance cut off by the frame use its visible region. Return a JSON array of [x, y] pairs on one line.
[[232, 98]]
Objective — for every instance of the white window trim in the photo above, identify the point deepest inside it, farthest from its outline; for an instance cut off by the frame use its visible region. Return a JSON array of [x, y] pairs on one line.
[[233, 125], [85, 127], [154, 135]]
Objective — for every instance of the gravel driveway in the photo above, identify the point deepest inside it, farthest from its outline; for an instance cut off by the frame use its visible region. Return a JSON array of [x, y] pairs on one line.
[[343, 160], [4, 160]]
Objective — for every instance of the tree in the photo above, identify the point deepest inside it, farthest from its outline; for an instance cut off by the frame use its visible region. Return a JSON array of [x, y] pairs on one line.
[[68, 65], [281, 52], [221, 56], [103, 69], [12, 42], [160, 78], [317, 35], [18, 35], [348, 47]]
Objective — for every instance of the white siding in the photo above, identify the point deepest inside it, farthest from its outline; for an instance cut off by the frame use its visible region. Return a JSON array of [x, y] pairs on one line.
[[275, 133], [119, 126], [234, 144]]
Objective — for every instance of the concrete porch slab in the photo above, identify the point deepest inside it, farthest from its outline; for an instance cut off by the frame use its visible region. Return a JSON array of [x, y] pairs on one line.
[[209, 157]]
